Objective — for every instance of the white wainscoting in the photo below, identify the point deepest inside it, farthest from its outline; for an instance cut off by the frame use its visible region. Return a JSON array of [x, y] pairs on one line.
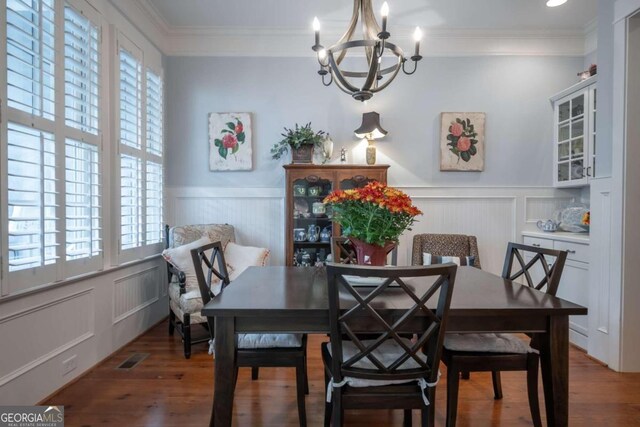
[[600, 279], [46, 330], [86, 319], [134, 292], [495, 215]]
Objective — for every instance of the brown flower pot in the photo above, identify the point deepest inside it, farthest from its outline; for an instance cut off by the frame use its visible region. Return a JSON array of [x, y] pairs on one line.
[[368, 254], [303, 154]]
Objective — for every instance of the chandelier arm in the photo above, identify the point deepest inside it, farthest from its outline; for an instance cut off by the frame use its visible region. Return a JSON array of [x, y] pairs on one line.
[[415, 67], [330, 79], [338, 75], [359, 43], [389, 79], [342, 88], [370, 28], [373, 72], [351, 29]]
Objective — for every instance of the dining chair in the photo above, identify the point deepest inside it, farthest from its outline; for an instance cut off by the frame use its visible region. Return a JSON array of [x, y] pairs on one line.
[[387, 371], [254, 350], [343, 251], [541, 269], [444, 245]]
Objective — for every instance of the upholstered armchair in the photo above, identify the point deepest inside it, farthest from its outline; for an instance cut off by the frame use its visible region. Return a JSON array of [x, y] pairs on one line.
[[445, 245], [185, 301]]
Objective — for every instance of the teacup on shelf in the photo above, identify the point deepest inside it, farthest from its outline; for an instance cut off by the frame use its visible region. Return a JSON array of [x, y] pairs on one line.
[[548, 225]]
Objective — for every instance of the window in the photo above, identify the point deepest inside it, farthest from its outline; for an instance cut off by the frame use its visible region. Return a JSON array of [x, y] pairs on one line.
[[31, 57], [154, 138], [81, 72], [32, 197], [141, 150], [53, 157]]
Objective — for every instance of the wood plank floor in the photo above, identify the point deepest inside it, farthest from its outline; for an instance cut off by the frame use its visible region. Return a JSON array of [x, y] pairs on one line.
[[168, 390]]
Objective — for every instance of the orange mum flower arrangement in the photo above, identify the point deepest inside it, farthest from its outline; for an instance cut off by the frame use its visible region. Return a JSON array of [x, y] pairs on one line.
[[375, 214]]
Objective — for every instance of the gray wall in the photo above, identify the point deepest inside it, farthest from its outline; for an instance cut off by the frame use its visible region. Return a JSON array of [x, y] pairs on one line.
[[605, 88], [512, 91]]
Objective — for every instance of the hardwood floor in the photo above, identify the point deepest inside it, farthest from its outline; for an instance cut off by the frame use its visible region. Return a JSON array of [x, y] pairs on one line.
[[167, 390]]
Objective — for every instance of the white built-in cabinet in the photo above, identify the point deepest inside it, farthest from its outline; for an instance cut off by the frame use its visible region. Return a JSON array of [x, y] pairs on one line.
[[574, 142], [574, 284]]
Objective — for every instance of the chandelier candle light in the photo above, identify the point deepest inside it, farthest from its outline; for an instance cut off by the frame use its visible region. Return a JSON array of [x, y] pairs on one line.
[[375, 45]]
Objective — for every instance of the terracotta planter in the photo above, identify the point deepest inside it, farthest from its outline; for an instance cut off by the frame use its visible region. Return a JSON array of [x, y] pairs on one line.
[[368, 254], [304, 154]]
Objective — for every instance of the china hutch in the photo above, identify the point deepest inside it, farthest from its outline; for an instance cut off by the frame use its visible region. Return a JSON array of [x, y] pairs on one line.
[[309, 226]]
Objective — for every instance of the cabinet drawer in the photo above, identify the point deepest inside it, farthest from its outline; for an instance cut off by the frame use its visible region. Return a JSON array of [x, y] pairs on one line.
[[577, 252], [538, 243]]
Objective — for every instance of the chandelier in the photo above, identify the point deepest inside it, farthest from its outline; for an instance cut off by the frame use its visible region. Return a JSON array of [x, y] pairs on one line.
[[375, 45]]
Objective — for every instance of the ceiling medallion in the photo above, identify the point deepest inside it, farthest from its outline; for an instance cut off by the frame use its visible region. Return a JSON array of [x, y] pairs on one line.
[[375, 45]]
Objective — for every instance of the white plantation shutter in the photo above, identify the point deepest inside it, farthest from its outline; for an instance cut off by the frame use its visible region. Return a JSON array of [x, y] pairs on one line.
[[154, 199], [83, 200], [31, 56], [31, 198], [154, 148], [140, 119], [130, 100], [154, 113], [130, 202], [81, 72]]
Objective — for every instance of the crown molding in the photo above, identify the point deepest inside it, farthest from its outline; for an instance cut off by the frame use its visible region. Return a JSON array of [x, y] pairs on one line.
[[278, 42], [296, 42], [142, 18]]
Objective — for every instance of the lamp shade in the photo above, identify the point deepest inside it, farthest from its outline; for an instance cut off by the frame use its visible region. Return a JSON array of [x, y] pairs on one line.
[[370, 127]]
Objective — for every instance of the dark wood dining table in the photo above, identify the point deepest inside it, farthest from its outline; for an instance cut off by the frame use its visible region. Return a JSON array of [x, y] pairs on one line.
[[294, 300]]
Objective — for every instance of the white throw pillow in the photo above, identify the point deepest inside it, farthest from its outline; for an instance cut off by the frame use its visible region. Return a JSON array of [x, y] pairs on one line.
[[428, 259], [180, 258], [238, 258]]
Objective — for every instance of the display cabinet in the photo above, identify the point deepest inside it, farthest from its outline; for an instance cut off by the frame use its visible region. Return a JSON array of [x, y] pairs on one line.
[[309, 226], [574, 145]]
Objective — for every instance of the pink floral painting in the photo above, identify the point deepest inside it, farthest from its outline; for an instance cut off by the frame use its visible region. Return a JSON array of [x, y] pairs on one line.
[[230, 141], [462, 141]]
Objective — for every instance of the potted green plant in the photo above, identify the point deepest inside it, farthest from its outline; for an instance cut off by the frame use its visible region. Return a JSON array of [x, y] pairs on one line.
[[301, 140], [373, 217]]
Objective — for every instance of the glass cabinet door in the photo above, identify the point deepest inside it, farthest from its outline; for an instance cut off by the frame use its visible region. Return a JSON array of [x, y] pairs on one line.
[[572, 156], [312, 226]]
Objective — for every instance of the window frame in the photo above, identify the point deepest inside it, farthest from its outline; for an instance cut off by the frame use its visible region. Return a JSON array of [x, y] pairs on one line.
[[146, 62], [14, 282]]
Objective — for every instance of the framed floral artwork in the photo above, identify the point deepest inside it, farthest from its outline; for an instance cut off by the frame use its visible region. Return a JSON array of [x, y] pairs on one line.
[[230, 142], [462, 141]]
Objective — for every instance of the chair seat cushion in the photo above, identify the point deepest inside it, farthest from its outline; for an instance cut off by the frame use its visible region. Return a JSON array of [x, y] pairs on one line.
[[190, 302], [487, 343], [387, 353], [257, 341]]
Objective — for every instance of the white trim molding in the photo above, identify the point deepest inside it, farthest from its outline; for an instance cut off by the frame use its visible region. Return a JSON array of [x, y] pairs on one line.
[[295, 42]]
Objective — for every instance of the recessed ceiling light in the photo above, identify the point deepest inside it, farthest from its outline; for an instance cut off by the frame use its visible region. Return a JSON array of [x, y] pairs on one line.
[[554, 3]]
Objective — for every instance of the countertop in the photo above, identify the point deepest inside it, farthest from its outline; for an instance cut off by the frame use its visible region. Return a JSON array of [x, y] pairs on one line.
[[565, 236]]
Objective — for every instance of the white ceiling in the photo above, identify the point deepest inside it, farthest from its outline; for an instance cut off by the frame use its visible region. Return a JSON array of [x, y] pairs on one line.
[[437, 14], [283, 27]]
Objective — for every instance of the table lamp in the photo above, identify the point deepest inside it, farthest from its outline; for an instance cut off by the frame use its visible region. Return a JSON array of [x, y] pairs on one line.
[[371, 130]]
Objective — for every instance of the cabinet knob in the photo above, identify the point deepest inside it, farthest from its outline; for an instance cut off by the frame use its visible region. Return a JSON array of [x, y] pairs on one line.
[[570, 251], [589, 171], [537, 245]]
